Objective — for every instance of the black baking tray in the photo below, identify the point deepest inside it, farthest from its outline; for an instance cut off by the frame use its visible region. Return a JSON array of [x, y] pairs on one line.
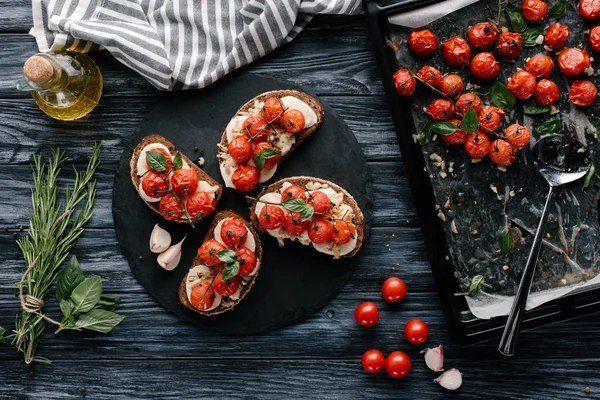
[[464, 327]]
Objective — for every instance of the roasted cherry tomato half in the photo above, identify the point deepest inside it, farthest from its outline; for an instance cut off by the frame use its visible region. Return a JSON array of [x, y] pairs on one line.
[[484, 66], [373, 361], [546, 92], [269, 162], [539, 66], [168, 158], [477, 145], [556, 36], [294, 225], [234, 232], [320, 231], [583, 93], [240, 150], [208, 252], [366, 314], [293, 121], [398, 364], [273, 109], [465, 101], [452, 85], [320, 202], [483, 35], [202, 296], [271, 217], [573, 62], [522, 84], [589, 9], [184, 181], [245, 178], [228, 287], [255, 128], [200, 204], [154, 185], [510, 45], [169, 208], [293, 192], [502, 152], [393, 289], [594, 38], [416, 331], [422, 43], [440, 110], [490, 118], [518, 135], [404, 82], [343, 232], [247, 260], [534, 10], [430, 75], [456, 51], [458, 137]]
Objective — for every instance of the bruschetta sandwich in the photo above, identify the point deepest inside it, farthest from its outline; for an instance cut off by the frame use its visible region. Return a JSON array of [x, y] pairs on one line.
[[313, 211], [263, 133], [225, 267], [170, 183]]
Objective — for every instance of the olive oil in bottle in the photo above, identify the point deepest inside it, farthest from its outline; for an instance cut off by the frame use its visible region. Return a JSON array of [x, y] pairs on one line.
[[65, 85]]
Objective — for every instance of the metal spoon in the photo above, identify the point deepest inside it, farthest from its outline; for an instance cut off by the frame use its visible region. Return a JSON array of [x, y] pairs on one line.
[[560, 159]]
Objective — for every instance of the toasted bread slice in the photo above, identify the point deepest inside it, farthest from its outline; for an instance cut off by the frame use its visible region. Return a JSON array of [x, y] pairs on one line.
[[358, 218], [135, 179], [246, 282]]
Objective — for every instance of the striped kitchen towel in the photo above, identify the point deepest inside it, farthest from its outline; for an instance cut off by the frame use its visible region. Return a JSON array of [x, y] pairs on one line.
[[177, 44]]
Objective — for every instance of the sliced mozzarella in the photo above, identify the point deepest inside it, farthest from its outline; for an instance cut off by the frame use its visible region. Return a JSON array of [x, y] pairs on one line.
[[144, 196], [204, 186], [142, 165], [255, 268], [234, 128], [227, 167], [284, 186], [271, 198], [198, 274], [336, 250], [343, 211], [236, 295], [283, 141], [291, 102], [250, 242]]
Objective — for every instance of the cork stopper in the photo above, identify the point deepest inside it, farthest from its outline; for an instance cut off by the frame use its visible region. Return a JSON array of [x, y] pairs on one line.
[[39, 69]]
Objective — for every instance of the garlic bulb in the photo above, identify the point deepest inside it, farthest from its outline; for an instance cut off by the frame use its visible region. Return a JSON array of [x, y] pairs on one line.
[[434, 358], [170, 258], [160, 240], [451, 379]]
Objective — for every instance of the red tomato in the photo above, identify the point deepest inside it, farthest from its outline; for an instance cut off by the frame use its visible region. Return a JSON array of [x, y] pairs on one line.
[[589, 9], [510, 45], [484, 66], [490, 118], [255, 128], [440, 110], [320, 231], [458, 137], [169, 208], [456, 51], [245, 178], [452, 85], [343, 232], [522, 84], [373, 361], [393, 289], [518, 135], [556, 36], [247, 260], [583, 93], [502, 152], [594, 38], [416, 331], [546, 92], [539, 66], [269, 162], [465, 101], [404, 82], [272, 109], [293, 121], [234, 232], [271, 217], [227, 288], [293, 224], [208, 252], [293, 192], [202, 296], [320, 202], [167, 156], [398, 365], [431, 76], [483, 35], [477, 145], [573, 61], [184, 181], [366, 314], [423, 43], [534, 10], [154, 185], [240, 150], [200, 204]]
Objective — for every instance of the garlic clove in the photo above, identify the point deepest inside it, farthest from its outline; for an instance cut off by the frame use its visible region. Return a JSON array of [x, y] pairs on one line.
[[170, 258], [434, 358], [160, 240], [451, 379]]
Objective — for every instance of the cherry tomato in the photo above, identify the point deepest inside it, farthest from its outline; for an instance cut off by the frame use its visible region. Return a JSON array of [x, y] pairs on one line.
[[200, 204], [589, 9], [293, 192], [320, 202], [416, 331], [234, 232], [458, 137], [240, 150], [202, 296], [184, 181], [373, 361], [483, 35], [398, 364], [404, 82], [255, 128], [522, 84], [169, 208], [269, 162], [167, 156], [477, 145], [490, 118], [594, 38], [430, 75], [342, 232], [228, 287], [573, 61], [423, 43], [465, 101], [247, 260], [510, 45], [208, 252], [452, 85], [539, 66], [502, 152], [546, 92], [245, 178], [293, 224], [456, 51], [320, 231], [583, 93], [484, 66], [518, 135], [154, 185], [534, 10], [273, 109], [440, 110], [293, 121], [271, 217], [366, 314], [556, 36], [393, 289]]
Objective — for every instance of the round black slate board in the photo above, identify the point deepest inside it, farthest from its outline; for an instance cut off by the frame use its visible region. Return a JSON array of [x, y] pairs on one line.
[[294, 280]]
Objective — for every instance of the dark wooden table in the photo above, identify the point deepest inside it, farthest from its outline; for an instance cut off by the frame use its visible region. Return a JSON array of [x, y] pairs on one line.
[[153, 354]]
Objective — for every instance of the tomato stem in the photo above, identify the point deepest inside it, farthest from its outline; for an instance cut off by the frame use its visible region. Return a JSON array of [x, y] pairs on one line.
[[430, 87]]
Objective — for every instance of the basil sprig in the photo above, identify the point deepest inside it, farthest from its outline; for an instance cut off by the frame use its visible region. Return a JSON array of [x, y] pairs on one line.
[[507, 241], [530, 36], [502, 97], [232, 265], [177, 161], [300, 206], [444, 128], [589, 176], [469, 123], [156, 160], [549, 127], [426, 133], [558, 10], [476, 283], [534, 110], [516, 19], [265, 154]]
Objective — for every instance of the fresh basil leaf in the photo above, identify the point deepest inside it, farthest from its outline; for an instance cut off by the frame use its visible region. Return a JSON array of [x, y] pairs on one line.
[[231, 270], [558, 10], [67, 307], [307, 213], [99, 320], [516, 19], [227, 256], [294, 204], [444, 128], [177, 161], [502, 97], [507, 242], [264, 155], [108, 303], [86, 294], [426, 133], [2, 332], [530, 36], [156, 160], [469, 123], [589, 176], [534, 110], [69, 278], [476, 283], [549, 127]]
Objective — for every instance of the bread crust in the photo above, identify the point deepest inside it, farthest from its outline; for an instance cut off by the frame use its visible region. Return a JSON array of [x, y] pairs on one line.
[[221, 215], [302, 181], [135, 179]]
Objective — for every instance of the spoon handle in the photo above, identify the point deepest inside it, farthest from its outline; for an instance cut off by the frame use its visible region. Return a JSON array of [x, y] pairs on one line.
[[508, 342]]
